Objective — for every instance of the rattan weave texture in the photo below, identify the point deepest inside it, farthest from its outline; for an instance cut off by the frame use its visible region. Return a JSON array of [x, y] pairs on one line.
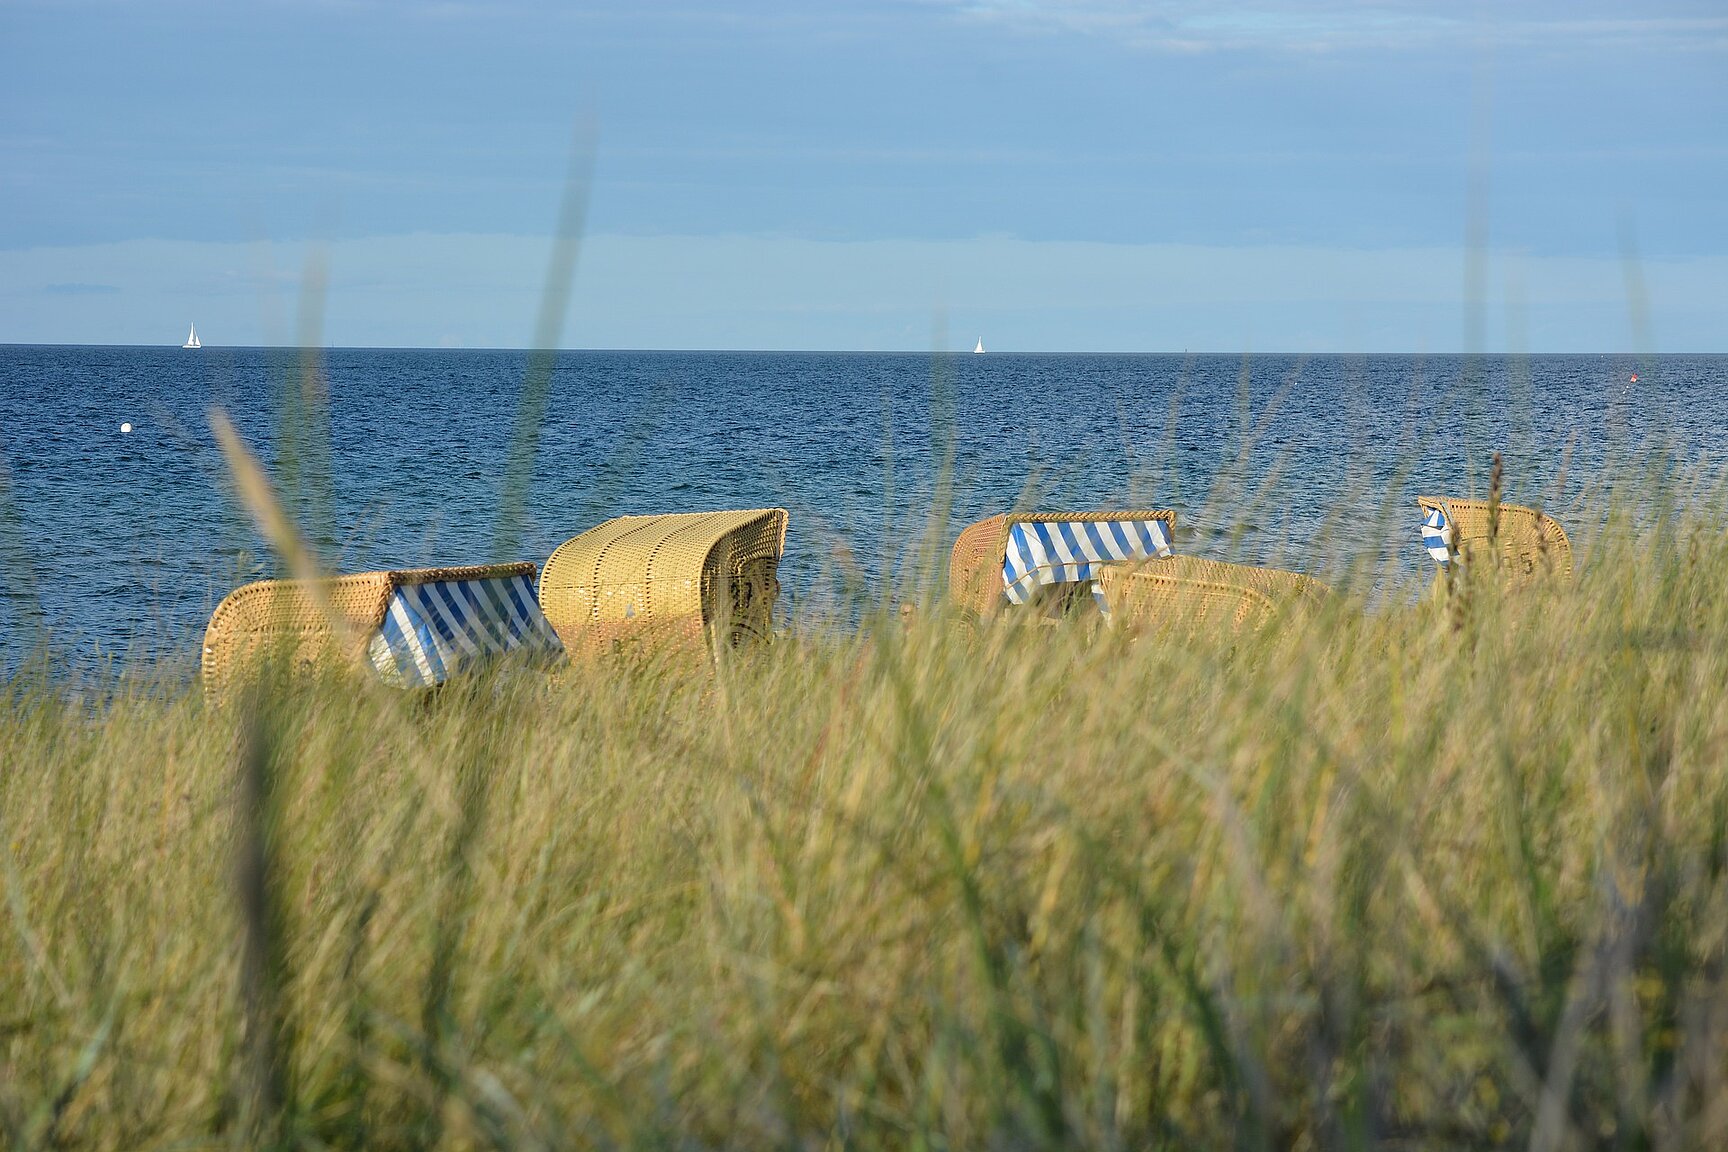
[[282, 617], [1532, 545], [1191, 592], [975, 564], [675, 578]]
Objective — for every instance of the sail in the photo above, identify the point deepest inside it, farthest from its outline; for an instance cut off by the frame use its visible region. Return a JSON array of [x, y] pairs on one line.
[[979, 351], [192, 338]]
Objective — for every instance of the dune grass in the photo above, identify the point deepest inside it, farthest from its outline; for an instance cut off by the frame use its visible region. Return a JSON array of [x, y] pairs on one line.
[[1446, 876]]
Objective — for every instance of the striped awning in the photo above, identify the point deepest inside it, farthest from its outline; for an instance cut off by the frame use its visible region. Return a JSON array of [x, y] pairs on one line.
[[431, 630], [1041, 552], [1437, 536]]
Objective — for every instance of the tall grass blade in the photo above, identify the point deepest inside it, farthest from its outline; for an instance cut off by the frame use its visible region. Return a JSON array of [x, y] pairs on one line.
[[278, 529], [269, 1043], [542, 357]]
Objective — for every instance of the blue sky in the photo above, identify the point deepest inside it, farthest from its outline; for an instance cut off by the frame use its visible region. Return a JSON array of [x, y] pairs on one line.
[[1049, 174]]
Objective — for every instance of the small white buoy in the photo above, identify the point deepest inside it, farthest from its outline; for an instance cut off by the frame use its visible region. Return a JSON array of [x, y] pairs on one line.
[[125, 428]]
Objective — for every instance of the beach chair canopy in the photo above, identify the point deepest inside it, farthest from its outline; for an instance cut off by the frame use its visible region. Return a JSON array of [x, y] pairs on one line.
[[1007, 559], [1188, 592], [410, 627], [1531, 545], [681, 576]]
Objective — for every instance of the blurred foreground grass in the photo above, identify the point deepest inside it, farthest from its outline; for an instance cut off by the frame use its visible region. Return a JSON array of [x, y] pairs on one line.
[[1452, 876]]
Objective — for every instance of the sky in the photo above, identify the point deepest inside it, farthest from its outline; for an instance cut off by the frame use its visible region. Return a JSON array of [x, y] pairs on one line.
[[1047, 175]]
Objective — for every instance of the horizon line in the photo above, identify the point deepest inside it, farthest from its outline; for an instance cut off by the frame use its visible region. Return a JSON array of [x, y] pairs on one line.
[[207, 347]]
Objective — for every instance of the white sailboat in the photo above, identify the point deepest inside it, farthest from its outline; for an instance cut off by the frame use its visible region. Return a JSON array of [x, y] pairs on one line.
[[192, 340], [979, 351]]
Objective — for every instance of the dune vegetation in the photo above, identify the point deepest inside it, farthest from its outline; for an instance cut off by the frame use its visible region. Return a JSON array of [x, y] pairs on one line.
[[1427, 872]]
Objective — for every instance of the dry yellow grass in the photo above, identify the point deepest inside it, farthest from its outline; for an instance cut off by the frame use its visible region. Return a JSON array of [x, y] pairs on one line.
[[1455, 876]]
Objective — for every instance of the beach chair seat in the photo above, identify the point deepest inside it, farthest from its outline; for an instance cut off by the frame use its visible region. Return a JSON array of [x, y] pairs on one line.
[[1021, 557], [1525, 546], [1191, 593], [686, 578], [410, 627]]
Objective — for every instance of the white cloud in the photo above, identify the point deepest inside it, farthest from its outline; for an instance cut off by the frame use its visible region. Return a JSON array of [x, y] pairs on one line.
[[1355, 25]]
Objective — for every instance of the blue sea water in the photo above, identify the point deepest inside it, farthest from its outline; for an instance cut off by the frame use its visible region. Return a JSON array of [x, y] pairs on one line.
[[123, 543]]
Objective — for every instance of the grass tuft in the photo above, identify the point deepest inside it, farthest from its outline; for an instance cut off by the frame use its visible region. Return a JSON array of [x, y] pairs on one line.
[[1451, 875]]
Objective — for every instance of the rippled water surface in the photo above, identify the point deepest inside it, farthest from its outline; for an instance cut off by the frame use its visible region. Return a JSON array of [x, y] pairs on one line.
[[124, 542]]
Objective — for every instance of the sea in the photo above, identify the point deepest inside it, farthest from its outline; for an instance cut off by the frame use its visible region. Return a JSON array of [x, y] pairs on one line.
[[120, 529]]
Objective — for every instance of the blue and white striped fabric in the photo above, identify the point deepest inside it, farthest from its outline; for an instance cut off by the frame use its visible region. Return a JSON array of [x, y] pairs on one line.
[[1043, 552], [1437, 536], [431, 630]]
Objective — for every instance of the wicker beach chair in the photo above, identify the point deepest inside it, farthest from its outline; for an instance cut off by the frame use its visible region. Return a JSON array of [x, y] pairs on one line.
[[1190, 593], [1531, 546], [1015, 558], [682, 579], [411, 627]]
